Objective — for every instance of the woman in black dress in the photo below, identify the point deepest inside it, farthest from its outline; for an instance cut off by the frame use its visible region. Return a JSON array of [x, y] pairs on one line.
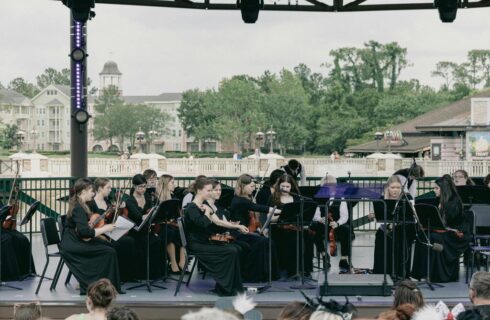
[[125, 246], [244, 211], [454, 238], [165, 191], [285, 236], [139, 205], [221, 261], [88, 257]]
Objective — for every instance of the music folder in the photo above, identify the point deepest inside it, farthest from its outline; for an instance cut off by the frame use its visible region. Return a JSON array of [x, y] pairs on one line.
[[123, 225]]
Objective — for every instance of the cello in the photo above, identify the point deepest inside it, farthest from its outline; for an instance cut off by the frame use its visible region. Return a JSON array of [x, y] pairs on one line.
[[10, 222]]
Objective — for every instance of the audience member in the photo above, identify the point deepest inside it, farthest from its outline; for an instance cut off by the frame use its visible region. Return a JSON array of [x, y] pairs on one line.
[[27, 311], [429, 312], [121, 313], [209, 313], [401, 312], [480, 293], [99, 297], [296, 311], [408, 292]]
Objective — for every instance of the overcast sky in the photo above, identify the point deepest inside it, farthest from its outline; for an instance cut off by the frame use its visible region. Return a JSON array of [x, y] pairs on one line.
[[171, 50]]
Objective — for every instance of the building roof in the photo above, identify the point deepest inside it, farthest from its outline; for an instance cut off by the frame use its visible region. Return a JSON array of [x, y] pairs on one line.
[[65, 89], [54, 102], [459, 122], [412, 144], [12, 97], [454, 110], [164, 97], [110, 67]]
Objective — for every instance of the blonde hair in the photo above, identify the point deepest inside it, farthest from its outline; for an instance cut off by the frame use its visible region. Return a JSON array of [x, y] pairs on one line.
[[391, 180], [164, 192]]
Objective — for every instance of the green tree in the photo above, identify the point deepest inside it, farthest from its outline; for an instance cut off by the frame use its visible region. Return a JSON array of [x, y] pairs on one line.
[[23, 87], [197, 115], [9, 137], [53, 76], [445, 70]]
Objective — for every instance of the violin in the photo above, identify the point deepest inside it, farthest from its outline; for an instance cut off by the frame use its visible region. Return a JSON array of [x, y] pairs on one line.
[[222, 237], [331, 238], [254, 223], [10, 222]]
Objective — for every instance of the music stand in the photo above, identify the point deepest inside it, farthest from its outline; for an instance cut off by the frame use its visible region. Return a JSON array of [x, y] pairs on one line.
[[28, 219], [299, 213], [429, 217], [146, 223], [309, 191], [474, 194], [4, 212]]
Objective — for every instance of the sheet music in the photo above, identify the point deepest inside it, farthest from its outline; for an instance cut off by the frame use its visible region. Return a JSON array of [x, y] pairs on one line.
[[123, 225], [145, 220]]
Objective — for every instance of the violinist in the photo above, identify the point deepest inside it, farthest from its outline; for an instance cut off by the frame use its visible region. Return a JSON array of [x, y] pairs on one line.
[[139, 204], [165, 191], [454, 239], [151, 184], [244, 211], [88, 257], [285, 236], [190, 192], [264, 194], [338, 220], [221, 261], [125, 246]]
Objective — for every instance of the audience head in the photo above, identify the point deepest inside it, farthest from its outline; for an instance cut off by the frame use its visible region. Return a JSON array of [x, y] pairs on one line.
[[296, 311], [393, 188], [480, 288], [461, 178], [166, 186], [408, 292], [121, 313], [27, 311], [428, 312], [100, 294], [209, 313], [245, 185], [401, 312]]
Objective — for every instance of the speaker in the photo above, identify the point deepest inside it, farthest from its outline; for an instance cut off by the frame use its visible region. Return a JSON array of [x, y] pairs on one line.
[[447, 9], [250, 10], [356, 285]]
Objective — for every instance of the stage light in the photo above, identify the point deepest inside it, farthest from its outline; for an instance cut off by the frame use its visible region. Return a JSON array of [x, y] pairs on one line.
[[78, 54], [80, 9], [447, 9], [81, 116], [250, 10]]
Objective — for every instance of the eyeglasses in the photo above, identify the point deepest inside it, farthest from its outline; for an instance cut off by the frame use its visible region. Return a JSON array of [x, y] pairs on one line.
[[141, 186]]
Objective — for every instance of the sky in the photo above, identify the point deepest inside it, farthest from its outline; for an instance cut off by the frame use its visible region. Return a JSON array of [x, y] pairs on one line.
[[171, 50]]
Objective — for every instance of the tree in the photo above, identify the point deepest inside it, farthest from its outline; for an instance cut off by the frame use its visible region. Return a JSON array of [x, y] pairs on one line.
[[445, 70], [53, 76], [197, 115], [23, 87], [9, 137]]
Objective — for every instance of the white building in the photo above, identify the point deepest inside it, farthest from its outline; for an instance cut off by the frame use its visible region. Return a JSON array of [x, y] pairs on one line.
[[17, 109]]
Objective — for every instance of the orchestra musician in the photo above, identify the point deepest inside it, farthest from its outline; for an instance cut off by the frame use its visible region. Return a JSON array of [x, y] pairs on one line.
[[412, 174], [165, 191], [88, 257], [455, 240], [339, 221], [461, 178], [264, 194], [221, 261], [151, 184], [246, 212], [126, 246], [286, 236], [139, 204], [190, 192]]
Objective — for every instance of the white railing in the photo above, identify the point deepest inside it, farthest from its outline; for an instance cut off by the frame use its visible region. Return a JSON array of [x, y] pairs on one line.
[[439, 168], [97, 167]]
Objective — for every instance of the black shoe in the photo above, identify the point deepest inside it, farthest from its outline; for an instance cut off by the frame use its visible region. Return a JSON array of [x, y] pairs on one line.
[[344, 265]]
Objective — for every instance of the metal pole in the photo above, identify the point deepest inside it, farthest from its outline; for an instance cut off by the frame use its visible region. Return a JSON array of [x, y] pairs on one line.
[[79, 145]]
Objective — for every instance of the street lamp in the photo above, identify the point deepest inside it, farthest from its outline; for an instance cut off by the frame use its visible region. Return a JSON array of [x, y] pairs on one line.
[[20, 135], [153, 134], [378, 136], [271, 135], [34, 135], [140, 135]]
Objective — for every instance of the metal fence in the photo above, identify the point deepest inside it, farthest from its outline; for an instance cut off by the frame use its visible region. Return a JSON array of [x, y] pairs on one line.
[[53, 193]]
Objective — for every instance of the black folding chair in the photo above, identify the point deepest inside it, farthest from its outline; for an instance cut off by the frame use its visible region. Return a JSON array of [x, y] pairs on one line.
[[481, 219], [188, 257], [51, 237]]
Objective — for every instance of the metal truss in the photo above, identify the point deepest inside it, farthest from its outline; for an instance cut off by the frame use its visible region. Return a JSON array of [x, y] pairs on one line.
[[298, 5]]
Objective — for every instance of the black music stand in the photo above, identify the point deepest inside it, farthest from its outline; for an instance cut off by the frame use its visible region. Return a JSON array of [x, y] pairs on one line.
[[4, 212], [299, 213], [474, 194], [429, 217], [28, 219], [167, 211], [309, 191], [145, 226]]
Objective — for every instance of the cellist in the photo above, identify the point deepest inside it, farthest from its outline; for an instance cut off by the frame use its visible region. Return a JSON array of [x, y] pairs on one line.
[[126, 245], [242, 209]]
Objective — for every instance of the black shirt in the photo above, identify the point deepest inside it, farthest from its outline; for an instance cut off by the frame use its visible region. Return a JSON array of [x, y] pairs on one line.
[[240, 209]]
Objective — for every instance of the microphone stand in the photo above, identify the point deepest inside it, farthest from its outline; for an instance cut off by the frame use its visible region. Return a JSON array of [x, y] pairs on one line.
[[300, 242]]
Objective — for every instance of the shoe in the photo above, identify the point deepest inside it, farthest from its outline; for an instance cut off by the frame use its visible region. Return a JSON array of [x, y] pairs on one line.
[[186, 272], [344, 265]]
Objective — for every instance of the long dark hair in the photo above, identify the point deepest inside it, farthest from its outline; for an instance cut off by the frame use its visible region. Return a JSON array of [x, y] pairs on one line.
[[137, 180], [80, 185], [276, 196], [448, 193]]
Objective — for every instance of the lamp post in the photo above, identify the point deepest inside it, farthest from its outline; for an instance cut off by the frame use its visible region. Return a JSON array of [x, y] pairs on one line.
[[153, 134], [378, 136], [20, 135], [140, 135], [34, 135], [271, 135]]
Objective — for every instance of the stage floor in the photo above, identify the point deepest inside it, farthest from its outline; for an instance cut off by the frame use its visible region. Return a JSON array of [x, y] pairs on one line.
[[197, 294]]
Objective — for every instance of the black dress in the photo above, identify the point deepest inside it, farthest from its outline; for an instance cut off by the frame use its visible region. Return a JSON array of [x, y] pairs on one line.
[[170, 231], [263, 197], [157, 253], [257, 269], [286, 240], [221, 261], [444, 265], [15, 255], [127, 254], [89, 260]]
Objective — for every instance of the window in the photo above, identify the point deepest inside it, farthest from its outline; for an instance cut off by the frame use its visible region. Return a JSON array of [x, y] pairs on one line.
[[174, 133], [180, 133], [42, 123]]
